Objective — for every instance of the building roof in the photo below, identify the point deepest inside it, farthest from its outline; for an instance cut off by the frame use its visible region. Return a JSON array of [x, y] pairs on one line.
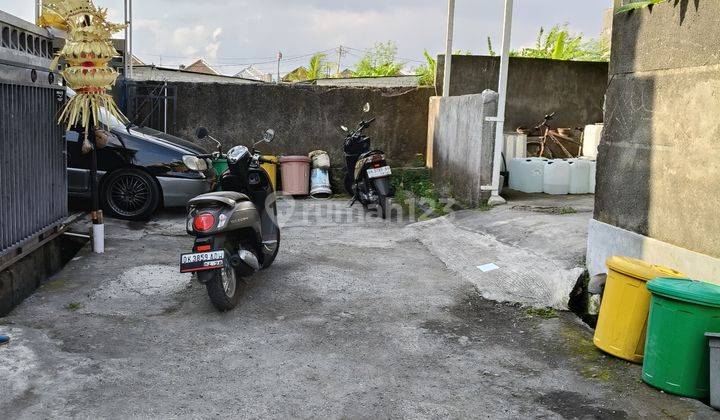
[[172, 74], [251, 72], [298, 75], [201, 66]]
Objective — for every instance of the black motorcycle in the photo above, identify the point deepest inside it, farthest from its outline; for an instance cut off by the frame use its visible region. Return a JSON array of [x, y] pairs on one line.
[[236, 231], [368, 175]]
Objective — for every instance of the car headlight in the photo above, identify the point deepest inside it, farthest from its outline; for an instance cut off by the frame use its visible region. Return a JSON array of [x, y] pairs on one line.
[[194, 164]]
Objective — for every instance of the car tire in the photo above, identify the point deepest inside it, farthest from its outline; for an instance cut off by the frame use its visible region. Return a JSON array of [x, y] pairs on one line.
[[130, 194]]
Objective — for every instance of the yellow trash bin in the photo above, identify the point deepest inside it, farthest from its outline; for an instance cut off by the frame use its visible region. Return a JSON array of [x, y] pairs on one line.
[[623, 317], [271, 169]]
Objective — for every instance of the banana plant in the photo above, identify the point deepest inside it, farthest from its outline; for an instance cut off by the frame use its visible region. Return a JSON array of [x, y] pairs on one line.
[[638, 4]]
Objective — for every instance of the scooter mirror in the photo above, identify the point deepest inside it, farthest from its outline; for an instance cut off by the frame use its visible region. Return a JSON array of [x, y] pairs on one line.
[[345, 129], [201, 132], [366, 108], [269, 135]]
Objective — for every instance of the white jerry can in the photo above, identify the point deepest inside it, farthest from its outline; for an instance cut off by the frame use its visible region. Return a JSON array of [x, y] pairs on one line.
[[526, 174], [579, 176], [556, 177]]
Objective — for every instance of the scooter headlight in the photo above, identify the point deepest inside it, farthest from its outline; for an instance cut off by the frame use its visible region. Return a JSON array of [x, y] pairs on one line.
[[237, 153]]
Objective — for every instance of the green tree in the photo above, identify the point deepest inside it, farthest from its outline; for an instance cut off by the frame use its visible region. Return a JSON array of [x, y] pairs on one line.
[[317, 67], [381, 60], [561, 44], [638, 5], [427, 70]]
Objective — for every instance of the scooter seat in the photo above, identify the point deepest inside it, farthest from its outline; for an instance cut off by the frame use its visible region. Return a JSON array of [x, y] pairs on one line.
[[228, 198]]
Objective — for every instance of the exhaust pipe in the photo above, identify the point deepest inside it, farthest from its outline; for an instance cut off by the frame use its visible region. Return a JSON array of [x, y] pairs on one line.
[[245, 262]]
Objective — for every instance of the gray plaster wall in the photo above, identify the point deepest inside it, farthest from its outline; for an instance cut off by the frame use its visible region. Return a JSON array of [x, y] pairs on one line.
[[461, 144], [658, 171], [305, 118], [536, 87]]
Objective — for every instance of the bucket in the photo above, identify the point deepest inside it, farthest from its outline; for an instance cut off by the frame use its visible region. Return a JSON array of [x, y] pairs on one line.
[[295, 173], [320, 159], [320, 183], [271, 168]]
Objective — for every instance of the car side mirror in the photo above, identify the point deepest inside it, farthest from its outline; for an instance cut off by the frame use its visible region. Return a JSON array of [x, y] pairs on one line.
[[268, 135], [201, 133]]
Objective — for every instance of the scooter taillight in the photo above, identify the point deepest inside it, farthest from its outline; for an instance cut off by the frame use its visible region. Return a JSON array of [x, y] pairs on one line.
[[203, 222]]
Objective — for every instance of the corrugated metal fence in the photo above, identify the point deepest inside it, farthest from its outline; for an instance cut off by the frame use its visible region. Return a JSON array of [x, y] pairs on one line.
[[33, 176]]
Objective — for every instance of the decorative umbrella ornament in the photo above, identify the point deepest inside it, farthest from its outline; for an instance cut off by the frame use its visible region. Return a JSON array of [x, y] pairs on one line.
[[87, 52]]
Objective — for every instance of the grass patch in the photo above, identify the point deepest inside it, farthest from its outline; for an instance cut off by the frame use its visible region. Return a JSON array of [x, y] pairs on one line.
[[74, 306], [544, 313], [567, 210], [414, 187]]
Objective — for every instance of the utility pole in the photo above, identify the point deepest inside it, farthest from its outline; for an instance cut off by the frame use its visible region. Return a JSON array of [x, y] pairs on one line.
[[38, 10], [448, 48], [341, 52], [278, 68]]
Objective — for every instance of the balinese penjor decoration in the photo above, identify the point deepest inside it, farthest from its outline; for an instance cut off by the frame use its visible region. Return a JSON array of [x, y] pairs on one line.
[[87, 52]]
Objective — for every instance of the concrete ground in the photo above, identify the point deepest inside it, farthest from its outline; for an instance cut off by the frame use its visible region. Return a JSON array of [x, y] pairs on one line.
[[357, 318]]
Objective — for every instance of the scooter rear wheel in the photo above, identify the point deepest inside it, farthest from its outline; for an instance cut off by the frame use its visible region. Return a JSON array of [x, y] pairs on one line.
[[225, 288]]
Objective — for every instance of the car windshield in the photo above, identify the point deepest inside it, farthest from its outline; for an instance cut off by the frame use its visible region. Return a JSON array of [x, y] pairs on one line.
[[105, 117]]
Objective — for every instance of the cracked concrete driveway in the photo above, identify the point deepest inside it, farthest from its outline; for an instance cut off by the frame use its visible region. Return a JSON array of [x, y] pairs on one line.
[[356, 319]]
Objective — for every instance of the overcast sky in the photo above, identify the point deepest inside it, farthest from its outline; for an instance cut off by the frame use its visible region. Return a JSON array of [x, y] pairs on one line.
[[231, 34]]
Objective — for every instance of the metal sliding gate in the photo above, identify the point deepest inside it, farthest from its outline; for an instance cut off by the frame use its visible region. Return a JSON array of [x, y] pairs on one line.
[[151, 104], [33, 175]]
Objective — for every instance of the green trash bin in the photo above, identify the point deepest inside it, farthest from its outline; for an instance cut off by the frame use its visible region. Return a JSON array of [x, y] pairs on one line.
[[676, 349]]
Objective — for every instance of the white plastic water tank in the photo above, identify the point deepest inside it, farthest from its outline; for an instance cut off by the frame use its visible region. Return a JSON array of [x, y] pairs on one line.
[[579, 176], [591, 140], [526, 175], [556, 177], [515, 145], [593, 175]]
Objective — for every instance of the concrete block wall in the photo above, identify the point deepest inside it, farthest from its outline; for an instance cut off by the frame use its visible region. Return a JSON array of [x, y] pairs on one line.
[[536, 87], [461, 144], [658, 174], [305, 118]]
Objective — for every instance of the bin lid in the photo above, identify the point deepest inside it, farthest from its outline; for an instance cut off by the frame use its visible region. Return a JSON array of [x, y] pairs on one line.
[[692, 291], [294, 159], [640, 269], [270, 158]]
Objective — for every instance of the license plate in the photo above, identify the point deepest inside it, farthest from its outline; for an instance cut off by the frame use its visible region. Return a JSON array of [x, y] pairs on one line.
[[379, 172], [190, 263]]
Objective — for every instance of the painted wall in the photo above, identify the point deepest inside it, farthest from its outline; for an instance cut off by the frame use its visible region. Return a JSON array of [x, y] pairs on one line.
[[658, 164], [536, 87]]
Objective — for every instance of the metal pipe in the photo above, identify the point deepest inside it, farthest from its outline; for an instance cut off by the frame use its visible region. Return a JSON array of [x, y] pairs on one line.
[[125, 52], [130, 48], [495, 198], [448, 48]]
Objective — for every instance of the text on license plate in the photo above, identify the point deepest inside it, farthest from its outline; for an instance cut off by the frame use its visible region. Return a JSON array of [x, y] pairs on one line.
[[202, 261], [379, 172]]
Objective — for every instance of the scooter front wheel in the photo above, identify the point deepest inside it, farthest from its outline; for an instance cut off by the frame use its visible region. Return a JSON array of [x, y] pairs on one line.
[[224, 287]]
